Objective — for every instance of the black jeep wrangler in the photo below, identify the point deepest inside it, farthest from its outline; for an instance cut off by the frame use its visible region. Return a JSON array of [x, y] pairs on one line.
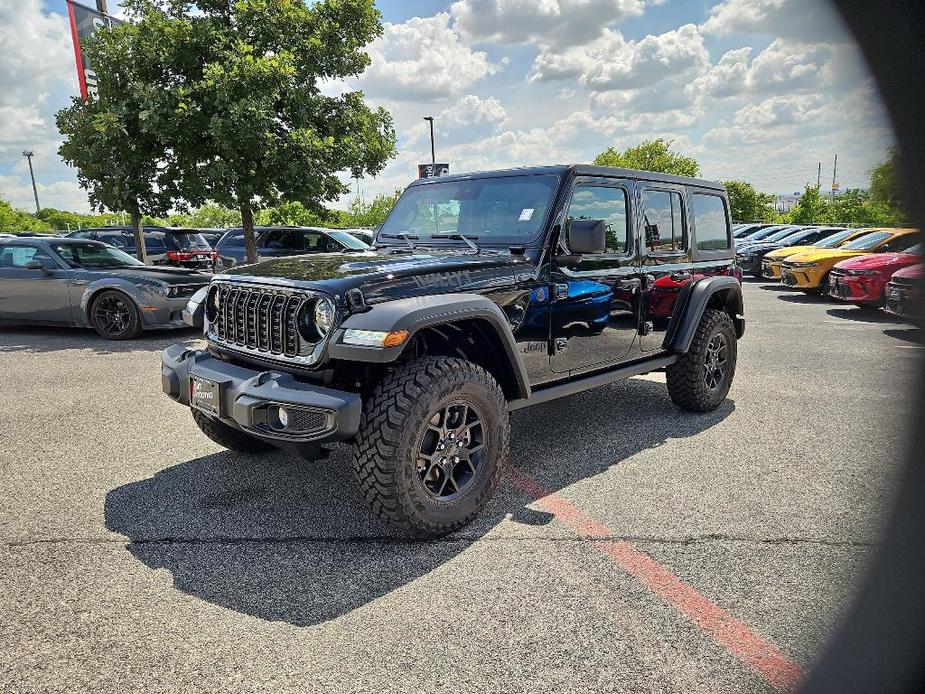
[[486, 293]]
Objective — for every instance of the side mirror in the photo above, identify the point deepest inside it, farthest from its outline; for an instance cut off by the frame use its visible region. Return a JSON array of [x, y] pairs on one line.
[[587, 236], [36, 265]]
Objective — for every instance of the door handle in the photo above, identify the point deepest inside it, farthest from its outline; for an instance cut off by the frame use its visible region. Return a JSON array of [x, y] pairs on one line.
[[679, 276], [631, 283]]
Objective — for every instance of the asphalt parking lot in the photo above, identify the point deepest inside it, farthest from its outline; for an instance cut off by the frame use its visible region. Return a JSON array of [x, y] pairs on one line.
[[633, 547]]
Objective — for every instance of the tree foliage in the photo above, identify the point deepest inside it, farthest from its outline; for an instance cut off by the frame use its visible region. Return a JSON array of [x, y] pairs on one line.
[[121, 160], [811, 208], [17, 220], [886, 184], [748, 204], [369, 214], [650, 155], [237, 99]]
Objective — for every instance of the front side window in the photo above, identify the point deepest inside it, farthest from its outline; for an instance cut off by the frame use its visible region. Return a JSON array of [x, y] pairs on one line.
[[868, 241], [608, 205], [899, 244], [710, 222], [662, 221], [506, 209], [93, 256]]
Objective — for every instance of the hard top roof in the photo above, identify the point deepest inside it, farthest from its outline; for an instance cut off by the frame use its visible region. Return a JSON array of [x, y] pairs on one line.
[[577, 170]]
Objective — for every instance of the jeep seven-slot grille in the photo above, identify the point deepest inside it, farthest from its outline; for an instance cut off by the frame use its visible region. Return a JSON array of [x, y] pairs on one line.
[[259, 319]]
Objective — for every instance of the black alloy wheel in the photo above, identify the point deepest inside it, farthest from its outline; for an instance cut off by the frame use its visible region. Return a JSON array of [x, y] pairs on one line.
[[451, 451], [114, 316], [716, 361]]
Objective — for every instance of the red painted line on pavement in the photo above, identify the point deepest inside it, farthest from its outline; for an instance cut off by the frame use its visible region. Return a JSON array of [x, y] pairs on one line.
[[758, 653]]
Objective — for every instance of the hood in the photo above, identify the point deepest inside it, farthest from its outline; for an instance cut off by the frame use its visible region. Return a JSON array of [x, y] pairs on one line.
[[786, 251], [832, 255], [913, 272], [381, 277], [166, 275], [879, 261]]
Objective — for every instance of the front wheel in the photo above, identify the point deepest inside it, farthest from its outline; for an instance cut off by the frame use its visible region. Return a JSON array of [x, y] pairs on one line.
[[114, 316], [432, 444], [700, 380]]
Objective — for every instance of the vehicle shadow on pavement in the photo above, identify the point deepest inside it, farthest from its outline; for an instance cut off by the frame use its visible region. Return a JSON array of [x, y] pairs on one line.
[[21, 338], [805, 298], [281, 539], [914, 335], [864, 315]]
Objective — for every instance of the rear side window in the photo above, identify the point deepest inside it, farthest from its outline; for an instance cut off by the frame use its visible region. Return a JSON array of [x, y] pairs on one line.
[[710, 222], [20, 256], [284, 239], [662, 221], [233, 239], [154, 242]]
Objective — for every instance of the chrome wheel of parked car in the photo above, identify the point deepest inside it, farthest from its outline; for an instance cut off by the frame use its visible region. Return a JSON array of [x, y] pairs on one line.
[[451, 450], [114, 316]]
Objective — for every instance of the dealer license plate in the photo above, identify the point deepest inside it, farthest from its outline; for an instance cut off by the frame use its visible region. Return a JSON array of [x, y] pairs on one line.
[[204, 395]]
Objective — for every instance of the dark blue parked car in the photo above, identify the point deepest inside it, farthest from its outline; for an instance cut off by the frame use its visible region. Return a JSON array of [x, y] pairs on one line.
[[277, 242]]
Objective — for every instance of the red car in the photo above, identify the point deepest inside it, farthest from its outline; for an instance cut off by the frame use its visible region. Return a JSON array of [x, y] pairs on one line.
[[862, 280], [904, 291]]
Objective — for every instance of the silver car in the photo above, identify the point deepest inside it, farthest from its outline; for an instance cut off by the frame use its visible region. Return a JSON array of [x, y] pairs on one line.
[[72, 282]]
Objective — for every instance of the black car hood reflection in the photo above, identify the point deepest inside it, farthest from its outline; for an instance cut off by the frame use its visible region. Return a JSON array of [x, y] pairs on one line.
[[155, 274], [382, 276]]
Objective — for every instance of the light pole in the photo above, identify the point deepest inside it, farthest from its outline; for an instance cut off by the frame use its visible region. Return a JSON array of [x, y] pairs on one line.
[[27, 153], [433, 152]]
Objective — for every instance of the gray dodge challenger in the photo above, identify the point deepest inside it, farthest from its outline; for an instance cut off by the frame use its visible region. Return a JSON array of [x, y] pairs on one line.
[[58, 281]]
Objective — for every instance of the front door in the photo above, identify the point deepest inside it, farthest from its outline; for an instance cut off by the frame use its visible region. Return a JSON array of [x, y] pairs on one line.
[[33, 294], [593, 309]]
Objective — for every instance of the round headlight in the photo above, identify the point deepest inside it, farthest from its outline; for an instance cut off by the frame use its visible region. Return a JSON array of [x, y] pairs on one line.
[[212, 303], [324, 316]]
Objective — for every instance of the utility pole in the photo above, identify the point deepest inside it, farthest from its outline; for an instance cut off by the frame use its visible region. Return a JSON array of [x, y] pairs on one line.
[[834, 178], [819, 176], [103, 10], [433, 151], [28, 155]]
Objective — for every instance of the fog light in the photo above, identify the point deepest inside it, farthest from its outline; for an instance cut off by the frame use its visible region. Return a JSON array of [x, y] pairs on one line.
[[283, 417]]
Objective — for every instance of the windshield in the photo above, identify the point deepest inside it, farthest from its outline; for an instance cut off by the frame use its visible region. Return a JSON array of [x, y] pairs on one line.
[[763, 233], [94, 256], [835, 239], [348, 240], [781, 234], [868, 241], [185, 240], [508, 209]]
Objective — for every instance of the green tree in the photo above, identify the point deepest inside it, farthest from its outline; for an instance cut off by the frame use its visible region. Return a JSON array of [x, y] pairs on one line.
[[238, 99], [17, 220], [210, 216], [856, 207], [120, 159], [296, 214], [650, 155], [811, 208], [887, 187], [369, 214], [748, 204]]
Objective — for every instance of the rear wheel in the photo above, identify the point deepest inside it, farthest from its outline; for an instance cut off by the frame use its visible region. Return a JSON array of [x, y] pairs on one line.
[[115, 316], [700, 380], [432, 444], [228, 436]]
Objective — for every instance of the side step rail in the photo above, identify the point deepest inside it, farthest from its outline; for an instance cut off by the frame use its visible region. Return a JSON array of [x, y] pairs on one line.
[[580, 384]]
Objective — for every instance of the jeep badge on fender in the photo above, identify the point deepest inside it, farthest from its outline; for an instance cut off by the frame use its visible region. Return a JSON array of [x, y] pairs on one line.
[[485, 293]]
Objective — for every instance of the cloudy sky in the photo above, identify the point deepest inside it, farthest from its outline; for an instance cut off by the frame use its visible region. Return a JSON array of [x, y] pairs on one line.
[[761, 90]]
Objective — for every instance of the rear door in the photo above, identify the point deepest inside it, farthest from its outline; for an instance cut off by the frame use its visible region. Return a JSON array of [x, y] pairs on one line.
[[278, 243]]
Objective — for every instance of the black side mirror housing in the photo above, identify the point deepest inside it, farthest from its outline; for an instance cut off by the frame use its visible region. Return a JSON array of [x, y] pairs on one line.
[[587, 236], [36, 265]]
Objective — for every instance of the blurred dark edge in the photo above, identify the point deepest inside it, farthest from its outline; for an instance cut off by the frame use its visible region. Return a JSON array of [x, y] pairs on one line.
[[881, 645]]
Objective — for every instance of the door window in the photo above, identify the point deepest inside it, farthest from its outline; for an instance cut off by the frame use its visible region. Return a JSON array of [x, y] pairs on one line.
[[316, 242], [663, 221], [284, 240], [607, 204], [20, 256], [710, 222], [899, 244]]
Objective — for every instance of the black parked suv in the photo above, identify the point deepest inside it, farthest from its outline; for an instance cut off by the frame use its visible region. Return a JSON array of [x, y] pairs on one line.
[[278, 242], [486, 293], [164, 246]]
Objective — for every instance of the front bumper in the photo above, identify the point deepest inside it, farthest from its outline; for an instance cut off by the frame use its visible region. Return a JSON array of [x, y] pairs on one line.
[[249, 398], [866, 289], [770, 269], [802, 277], [160, 313], [902, 299]]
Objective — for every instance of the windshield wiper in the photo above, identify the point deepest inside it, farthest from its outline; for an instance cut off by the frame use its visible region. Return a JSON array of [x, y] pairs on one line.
[[460, 237], [404, 237]]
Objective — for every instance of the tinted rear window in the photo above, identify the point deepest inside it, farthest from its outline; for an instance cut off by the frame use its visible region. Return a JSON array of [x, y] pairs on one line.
[[182, 241], [710, 222]]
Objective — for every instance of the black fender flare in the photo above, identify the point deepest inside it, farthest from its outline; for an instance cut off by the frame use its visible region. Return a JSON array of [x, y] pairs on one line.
[[415, 313], [691, 304]]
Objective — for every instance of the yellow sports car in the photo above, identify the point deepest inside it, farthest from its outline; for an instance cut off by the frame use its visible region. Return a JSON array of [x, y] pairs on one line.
[[772, 262], [809, 270]]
